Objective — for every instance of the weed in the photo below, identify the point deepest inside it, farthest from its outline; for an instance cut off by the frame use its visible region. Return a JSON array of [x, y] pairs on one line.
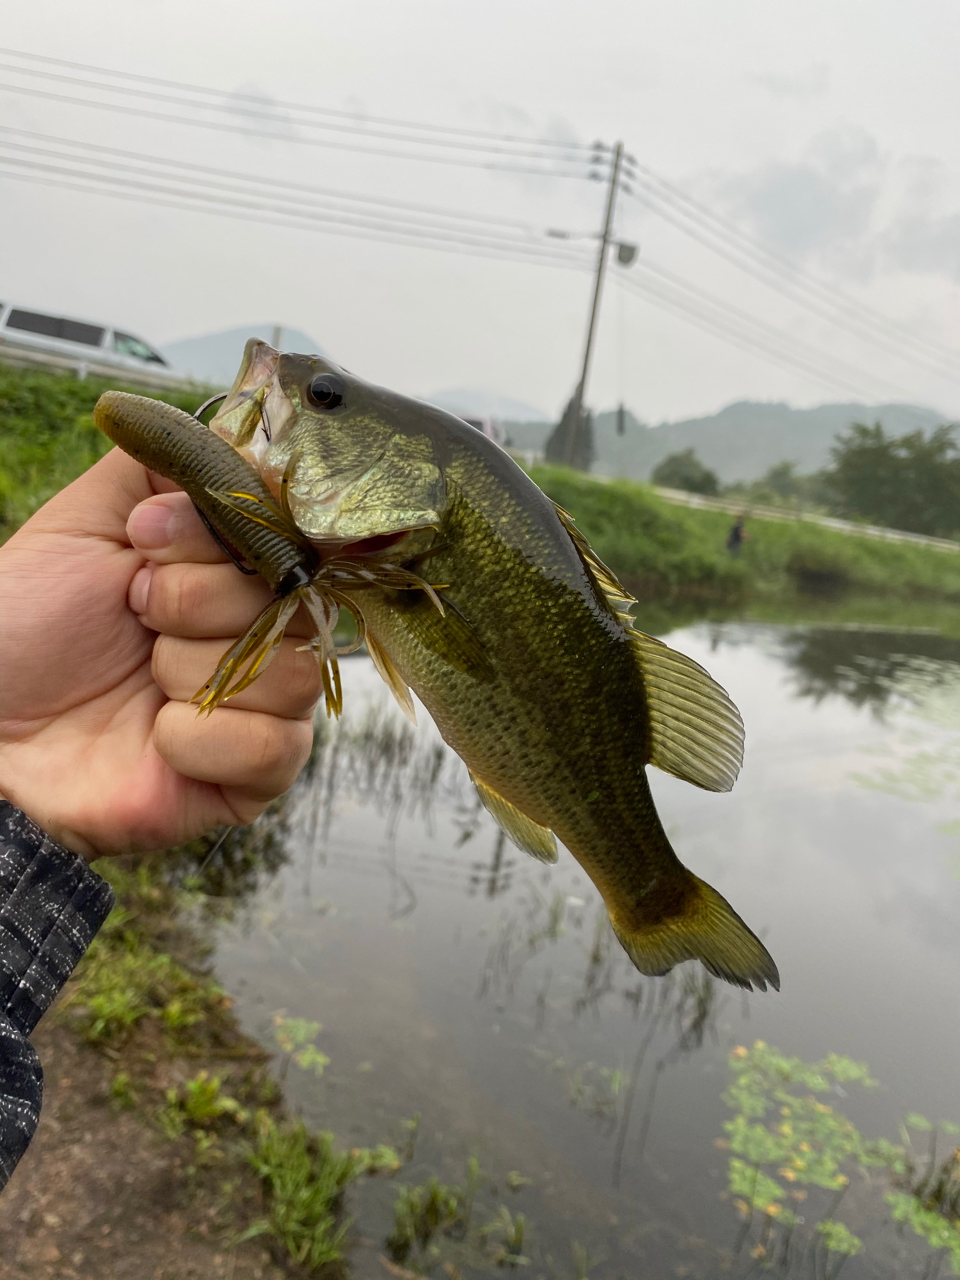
[[784, 1134], [49, 437], [199, 1104], [434, 1211], [296, 1037], [304, 1177], [510, 1227], [122, 1091], [122, 980], [674, 551]]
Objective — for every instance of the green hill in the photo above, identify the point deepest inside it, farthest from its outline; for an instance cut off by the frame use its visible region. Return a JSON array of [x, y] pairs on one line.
[[741, 442]]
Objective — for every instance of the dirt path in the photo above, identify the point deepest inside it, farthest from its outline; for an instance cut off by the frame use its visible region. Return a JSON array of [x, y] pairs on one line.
[[100, 1195]]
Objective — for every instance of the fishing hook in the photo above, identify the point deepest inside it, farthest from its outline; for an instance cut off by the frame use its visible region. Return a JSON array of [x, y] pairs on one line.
[[207, 403]]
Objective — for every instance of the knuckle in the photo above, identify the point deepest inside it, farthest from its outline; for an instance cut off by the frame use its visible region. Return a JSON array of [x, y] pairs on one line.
[[278, 750]]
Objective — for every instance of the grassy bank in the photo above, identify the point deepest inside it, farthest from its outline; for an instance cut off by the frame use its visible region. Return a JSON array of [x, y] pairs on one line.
[[47, 436], [661, 550], [200, 1169]]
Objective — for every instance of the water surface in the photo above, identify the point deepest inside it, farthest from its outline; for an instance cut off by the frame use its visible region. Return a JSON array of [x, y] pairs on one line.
[[458, 980]]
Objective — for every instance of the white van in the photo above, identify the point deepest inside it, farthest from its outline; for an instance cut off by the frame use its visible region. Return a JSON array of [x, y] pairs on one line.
[[29, 337]]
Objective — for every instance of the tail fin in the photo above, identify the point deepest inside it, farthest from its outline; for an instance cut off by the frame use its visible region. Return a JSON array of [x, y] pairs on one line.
[[707, 929]]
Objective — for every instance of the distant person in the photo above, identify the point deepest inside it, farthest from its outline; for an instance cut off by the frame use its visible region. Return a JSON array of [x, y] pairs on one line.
[[737, 537]]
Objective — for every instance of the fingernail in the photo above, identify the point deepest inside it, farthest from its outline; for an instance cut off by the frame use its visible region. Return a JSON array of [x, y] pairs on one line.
[[151, 526], [139, 591]]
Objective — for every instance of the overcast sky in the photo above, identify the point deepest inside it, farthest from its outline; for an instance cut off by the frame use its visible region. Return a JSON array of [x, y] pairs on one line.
[[826, 129]]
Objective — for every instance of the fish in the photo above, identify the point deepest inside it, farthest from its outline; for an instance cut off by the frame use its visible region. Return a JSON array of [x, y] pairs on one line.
[[521, 646]]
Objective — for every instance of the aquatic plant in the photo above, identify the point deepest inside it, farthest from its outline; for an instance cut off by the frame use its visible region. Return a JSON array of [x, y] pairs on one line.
[[435, 1212], [304, 1176], [296, 1038], [784, 1139]]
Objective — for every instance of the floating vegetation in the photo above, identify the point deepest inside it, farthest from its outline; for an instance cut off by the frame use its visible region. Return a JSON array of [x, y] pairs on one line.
[[785, 1142], [296, 1038]]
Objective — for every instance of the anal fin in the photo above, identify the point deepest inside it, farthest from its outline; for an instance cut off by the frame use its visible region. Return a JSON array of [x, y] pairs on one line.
[[523, 831]]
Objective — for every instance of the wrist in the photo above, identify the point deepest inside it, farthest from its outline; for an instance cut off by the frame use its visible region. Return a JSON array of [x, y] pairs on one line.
[[48, 826]]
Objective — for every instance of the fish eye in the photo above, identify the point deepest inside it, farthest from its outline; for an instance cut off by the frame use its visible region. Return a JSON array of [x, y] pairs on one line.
[[325, 391]]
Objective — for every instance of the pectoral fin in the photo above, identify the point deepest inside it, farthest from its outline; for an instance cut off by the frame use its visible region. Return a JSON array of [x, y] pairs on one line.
[[694, 731], [450, 636], [523, 831]]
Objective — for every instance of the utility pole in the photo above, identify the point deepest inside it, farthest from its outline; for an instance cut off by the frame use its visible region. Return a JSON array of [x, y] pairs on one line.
[[573, 439]]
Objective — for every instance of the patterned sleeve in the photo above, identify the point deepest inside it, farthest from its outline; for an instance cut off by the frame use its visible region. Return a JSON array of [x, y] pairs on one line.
[[51, 906]]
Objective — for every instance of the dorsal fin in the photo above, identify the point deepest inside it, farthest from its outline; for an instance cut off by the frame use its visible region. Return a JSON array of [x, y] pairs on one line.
[[695, 731], [614, 593], [523, 831]]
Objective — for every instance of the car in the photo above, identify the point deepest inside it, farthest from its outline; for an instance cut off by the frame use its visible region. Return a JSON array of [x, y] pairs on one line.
[[29, 336]]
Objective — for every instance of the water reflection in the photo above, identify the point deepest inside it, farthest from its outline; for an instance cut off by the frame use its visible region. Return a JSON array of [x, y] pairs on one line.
[[869, 667], [488, 993]]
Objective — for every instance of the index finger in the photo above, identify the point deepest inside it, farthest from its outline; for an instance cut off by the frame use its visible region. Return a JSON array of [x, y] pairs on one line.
[[167, 529]]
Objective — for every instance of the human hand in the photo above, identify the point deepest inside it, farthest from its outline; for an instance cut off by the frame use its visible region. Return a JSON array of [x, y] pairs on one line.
[[99, 743]]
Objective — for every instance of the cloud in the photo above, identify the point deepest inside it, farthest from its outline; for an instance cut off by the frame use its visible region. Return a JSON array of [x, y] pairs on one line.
[[803, 85], [930, 245], [821, 207]]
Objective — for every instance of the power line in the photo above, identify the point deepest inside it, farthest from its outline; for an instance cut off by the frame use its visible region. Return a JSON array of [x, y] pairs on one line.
[[596, 147], [659, 293], [756, 259], [348, 224], [672, 300], [140, 159], [331, 209], [221, 127], [667, 201], [730, 311], [226, 105]]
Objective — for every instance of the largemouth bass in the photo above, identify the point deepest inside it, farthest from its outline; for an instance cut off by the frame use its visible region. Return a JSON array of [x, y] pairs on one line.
[[523, 652]]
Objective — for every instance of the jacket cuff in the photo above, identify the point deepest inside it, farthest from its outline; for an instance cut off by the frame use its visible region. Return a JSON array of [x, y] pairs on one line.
[[51, 907]]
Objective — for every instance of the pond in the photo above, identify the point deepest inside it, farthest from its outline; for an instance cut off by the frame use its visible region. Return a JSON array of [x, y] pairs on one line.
[[459, 981]]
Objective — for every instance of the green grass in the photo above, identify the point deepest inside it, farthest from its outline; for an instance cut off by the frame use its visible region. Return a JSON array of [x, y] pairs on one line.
[[665, 551], [662, 552], [304, 1177], [47, 436]]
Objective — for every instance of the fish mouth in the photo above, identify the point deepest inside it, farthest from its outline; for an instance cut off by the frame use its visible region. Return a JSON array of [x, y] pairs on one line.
[[256, 406]]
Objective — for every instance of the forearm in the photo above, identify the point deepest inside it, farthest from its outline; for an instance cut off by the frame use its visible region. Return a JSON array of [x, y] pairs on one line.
[[51, 907]]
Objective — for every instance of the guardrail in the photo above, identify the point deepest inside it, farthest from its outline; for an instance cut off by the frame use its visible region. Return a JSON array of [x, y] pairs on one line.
[[755, 511], [21, 358]]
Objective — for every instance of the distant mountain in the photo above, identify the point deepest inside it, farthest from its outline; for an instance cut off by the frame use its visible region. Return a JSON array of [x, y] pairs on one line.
[[740, 442], [476, 403], [215, 357]]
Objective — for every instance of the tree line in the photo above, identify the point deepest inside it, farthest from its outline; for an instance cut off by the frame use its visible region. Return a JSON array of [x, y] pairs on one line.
[[909, 482]]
